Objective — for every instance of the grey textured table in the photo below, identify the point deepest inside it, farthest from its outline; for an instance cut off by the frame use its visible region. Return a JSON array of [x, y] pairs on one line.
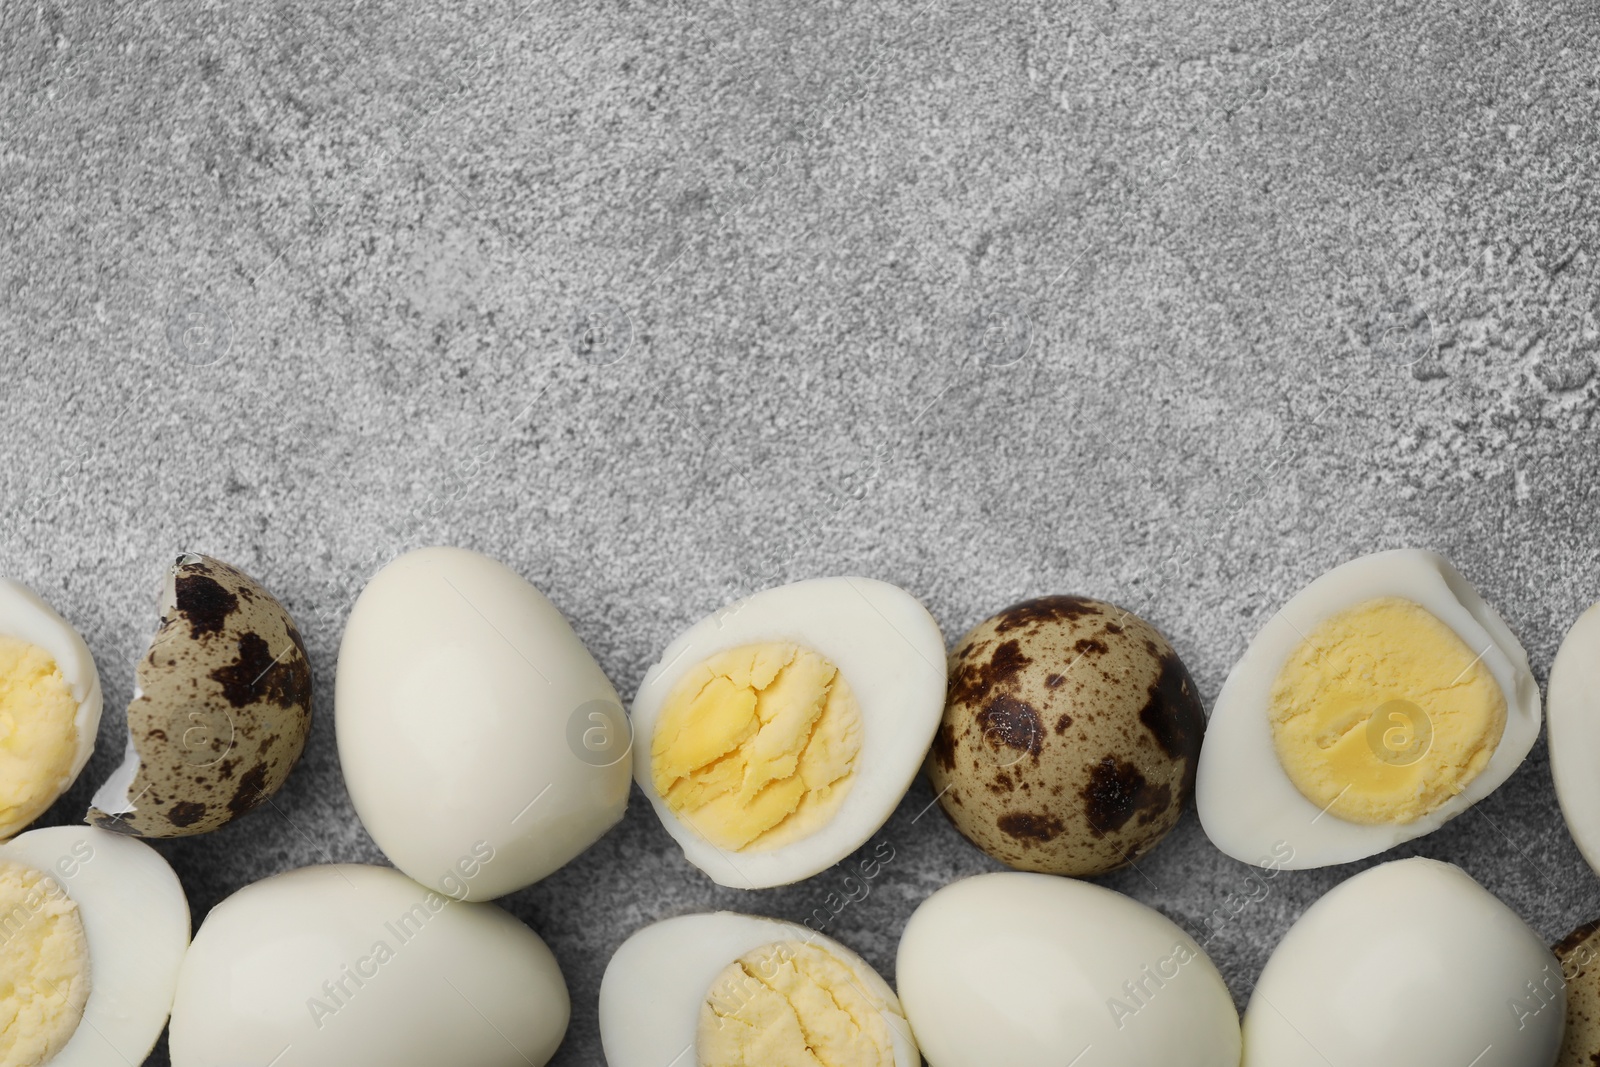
[[1173, 304]]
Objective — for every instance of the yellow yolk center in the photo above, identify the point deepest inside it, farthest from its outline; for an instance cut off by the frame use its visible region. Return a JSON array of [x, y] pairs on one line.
[[38, 733], [1383, 713], [44, 966], [756, 745], [792, 1004]]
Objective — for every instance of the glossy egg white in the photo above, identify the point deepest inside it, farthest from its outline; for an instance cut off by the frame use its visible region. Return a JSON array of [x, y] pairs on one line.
[[338, 965], [1574, 709], [1248, 805], [471, 718], [136, 921], [891, 653], [25, 616], [1032, 970], [1408, 964], [656, 981]]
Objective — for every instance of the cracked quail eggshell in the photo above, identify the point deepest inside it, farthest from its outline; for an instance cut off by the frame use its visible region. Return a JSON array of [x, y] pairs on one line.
[[221, 711]]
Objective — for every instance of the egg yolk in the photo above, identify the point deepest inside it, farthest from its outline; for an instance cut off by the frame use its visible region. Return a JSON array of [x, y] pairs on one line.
[[792, 1004], [38, 733], [755, 746], [44, 966], [1382, 713]]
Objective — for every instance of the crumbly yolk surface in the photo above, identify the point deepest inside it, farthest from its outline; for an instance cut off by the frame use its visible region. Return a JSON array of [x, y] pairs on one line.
[[1383, 713], [44, 967], [38, 733], [793, 1004], [756, 746]]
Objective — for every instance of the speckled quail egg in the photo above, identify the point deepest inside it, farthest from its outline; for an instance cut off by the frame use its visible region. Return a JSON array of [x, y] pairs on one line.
[[221, 710], [1579, 957], [729, 990], [93, 928], [49, 706], [1070, 738], [1382, 700], [777, 735]]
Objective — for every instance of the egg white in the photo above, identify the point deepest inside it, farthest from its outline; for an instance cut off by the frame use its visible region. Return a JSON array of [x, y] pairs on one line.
[[653, 987], [1575, 732], [25, 616], [1247, 803], [136, 919], [1408, 964], [1019, 969], [889, 650], [351, 965]]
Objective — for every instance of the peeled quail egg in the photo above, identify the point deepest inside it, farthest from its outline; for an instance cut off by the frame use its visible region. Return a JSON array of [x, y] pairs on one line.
[[337, 965], [776, 736], [221, 710], [1070, 737], [49, 706], [468, 712], [1408, 964], [727, 990], [1575, 732], [94, 928], [1030, 970], [1384, 699]]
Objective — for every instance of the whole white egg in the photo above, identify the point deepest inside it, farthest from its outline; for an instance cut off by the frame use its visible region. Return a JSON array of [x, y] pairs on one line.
[[134, 921], [1030, 970], [1575, 732], [1248, 804], [664, 985], [1409, 964], [482, 745], [349, 964], [856, 636]]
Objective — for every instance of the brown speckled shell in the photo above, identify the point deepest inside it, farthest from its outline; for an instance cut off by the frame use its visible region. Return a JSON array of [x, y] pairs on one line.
[[1070, 737], [1579, 953], [224, 705]]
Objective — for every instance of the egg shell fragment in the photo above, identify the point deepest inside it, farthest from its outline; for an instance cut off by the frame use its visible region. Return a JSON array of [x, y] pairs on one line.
[[1407, 964], [350, 964], [1070, 738], [889, 650], [1015, 969], [1248, 806], [136, 920], [653, 987], [462, 702], [26, 616], [221, 711], [1575, 732]]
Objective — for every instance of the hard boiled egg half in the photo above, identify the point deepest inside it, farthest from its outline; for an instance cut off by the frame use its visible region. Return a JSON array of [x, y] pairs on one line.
[[776, 736], [727, 990], [49, 706], [93, 929], [1383, 700]]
